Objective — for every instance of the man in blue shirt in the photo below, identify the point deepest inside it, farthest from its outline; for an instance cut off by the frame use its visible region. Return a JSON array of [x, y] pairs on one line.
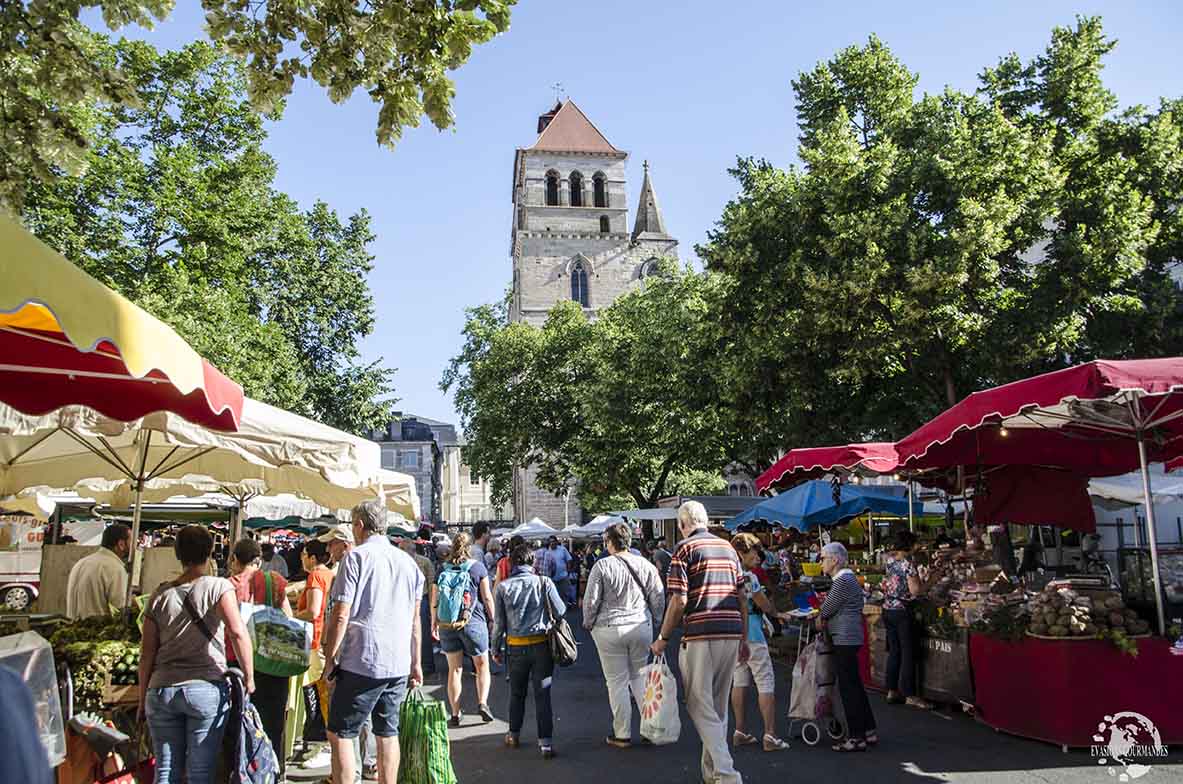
[[560, 566], [373, 637]]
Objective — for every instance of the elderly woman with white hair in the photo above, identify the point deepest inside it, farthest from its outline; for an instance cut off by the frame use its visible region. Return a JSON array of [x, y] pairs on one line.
[[842, 614]]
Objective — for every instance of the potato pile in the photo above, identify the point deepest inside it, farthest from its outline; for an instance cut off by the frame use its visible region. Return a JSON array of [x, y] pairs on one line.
[[1064, 612]]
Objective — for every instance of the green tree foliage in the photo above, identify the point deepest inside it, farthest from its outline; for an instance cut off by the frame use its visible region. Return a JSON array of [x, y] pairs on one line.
[[628, 405], [929, 246], [177, 210], [399, 52]]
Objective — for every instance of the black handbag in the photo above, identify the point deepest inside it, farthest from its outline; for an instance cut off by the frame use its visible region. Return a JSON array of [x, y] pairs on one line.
[[563, 648]]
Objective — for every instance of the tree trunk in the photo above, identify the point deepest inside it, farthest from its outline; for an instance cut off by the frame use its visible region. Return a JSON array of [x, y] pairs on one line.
[[950, 387]]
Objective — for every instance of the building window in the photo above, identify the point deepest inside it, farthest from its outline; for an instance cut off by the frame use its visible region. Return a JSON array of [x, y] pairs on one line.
[[649, 268], [552, 188], [745, 490], [600, 185], [409, 458], [576, 189], [388, 458], [473, 479], [732, 490], [605, 226], [579, 284]]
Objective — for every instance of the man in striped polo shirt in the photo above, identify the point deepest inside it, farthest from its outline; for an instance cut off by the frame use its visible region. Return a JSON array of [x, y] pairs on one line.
[[707, 591]]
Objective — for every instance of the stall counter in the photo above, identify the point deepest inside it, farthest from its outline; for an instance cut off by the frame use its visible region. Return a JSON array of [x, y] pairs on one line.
[[1059, 691]]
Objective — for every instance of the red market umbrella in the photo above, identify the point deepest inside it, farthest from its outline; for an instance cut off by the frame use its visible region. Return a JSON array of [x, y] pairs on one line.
[[42, 371], [1098, 419], [799, 465]]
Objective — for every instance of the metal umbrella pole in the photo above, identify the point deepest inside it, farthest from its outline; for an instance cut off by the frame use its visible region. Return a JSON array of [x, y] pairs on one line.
[[1153, 533], [145, 438], [911, 517]]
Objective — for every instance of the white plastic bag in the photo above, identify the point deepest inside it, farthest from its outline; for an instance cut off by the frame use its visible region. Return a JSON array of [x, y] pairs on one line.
[[660, 723]]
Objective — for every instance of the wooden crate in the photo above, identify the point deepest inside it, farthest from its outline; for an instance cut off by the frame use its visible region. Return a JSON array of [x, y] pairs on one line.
[[120, 695]]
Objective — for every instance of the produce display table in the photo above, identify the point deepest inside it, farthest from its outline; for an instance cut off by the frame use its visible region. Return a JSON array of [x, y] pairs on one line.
[[1059, 691]]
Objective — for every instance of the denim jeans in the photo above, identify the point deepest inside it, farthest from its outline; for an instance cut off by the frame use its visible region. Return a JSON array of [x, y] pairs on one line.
[[187, 722], [531, 666], [901, 660]]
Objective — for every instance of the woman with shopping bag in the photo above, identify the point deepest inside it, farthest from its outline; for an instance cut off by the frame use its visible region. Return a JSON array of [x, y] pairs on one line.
[[623, 597]]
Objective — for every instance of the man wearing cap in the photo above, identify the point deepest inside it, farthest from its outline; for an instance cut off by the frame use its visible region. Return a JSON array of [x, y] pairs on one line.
[[339, 538]]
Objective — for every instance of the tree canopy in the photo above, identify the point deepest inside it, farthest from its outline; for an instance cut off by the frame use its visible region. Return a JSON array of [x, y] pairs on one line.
[[929, 246], [52, 67], [178, 211], [626, 404]]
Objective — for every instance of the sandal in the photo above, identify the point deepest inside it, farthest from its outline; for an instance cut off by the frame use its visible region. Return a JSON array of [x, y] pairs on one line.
[[742, 739], [850, 745], [511, 741], [773, 743]]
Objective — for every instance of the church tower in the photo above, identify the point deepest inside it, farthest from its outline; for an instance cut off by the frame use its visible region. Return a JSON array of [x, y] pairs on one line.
[[571, 240]]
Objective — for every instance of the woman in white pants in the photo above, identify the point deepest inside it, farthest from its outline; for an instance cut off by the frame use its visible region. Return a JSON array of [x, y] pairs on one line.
[[622, 600]]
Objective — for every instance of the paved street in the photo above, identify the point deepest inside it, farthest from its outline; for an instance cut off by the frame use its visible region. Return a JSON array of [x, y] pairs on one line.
[[916, 747]]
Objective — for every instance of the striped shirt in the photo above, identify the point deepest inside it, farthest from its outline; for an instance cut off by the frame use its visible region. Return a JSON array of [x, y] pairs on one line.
[[705, 572], [843, 609]]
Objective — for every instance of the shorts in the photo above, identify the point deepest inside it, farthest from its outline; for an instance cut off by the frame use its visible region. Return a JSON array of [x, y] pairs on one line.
[[757, 668], [357, 697], [473, 639]]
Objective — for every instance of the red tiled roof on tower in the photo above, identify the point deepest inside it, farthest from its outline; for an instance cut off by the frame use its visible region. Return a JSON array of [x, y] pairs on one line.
[[567, 129]]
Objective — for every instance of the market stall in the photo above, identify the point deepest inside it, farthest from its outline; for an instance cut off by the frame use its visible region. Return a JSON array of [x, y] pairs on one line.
[[1051, 664]]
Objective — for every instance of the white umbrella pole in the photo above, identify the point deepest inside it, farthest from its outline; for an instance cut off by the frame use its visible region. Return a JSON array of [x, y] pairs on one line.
[[1153, 535], [145, 437]]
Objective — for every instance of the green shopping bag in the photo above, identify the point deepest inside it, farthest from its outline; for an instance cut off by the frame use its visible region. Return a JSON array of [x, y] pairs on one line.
[[425, 751]]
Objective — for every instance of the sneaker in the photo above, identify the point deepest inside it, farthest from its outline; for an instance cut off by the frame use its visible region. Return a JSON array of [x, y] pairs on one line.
[[511, 741], [548, 752], [322, 759], [620, 743], [486, 714], [369, 773], [894, 698], [454, 722]]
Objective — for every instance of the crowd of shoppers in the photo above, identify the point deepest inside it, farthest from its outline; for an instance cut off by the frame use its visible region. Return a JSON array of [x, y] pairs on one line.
[[372, 607]]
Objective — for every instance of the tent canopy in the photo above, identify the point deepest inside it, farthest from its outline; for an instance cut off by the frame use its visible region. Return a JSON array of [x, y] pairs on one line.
[[67, 339], [798, 465], [812, 504], [273, 451], [648, 514]]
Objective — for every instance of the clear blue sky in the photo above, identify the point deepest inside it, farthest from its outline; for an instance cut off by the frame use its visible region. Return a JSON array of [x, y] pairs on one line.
[[688, 85]]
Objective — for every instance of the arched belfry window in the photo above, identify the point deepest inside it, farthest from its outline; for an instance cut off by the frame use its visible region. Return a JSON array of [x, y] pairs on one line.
[[576, 189], [579, 291], [600, 187], [650, 268], [605, 224], [552, 189]]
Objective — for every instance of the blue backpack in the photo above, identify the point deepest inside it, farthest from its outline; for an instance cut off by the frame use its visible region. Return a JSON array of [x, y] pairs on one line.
[[455, 600], [250, 758]]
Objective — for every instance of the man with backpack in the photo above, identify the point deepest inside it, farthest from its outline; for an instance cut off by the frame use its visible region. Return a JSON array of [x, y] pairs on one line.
[[373, 643]]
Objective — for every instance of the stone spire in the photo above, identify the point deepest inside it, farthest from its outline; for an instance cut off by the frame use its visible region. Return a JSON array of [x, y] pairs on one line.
[[649, 224]]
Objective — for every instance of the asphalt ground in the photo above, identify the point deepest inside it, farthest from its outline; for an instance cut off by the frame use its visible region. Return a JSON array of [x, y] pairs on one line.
[[944, 745]]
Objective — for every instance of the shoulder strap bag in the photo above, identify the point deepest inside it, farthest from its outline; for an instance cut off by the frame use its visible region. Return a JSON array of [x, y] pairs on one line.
[[196, 617], [637, 580], [562, 640]]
